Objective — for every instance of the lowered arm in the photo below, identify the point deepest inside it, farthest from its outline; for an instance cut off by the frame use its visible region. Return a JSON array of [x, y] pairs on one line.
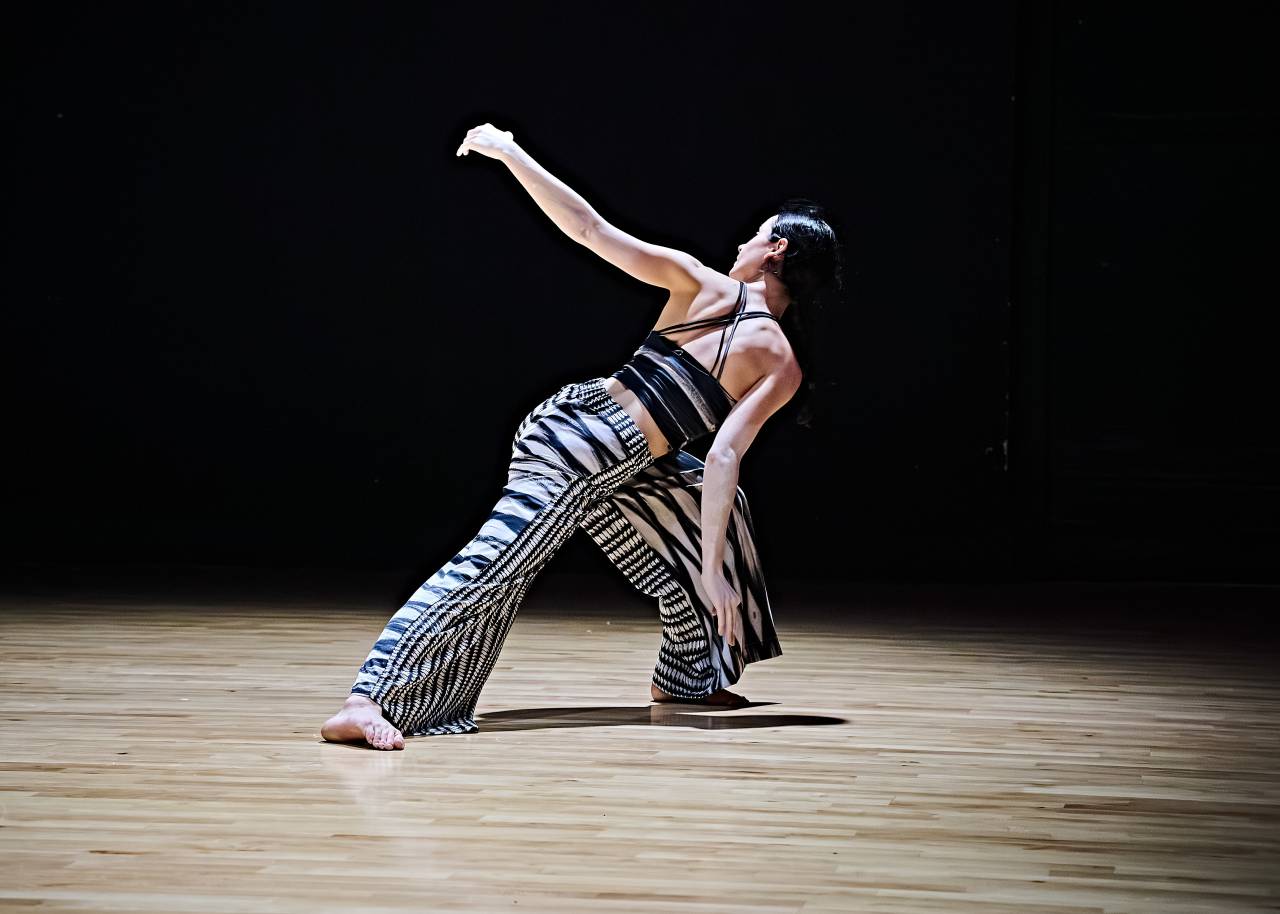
[[720, 485], [720, 477]]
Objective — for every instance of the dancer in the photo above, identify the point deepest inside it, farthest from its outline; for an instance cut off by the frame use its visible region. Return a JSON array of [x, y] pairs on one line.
[[605, 455]]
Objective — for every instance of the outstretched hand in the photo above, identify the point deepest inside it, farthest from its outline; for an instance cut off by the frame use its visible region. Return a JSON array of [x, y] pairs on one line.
[[488, 140]]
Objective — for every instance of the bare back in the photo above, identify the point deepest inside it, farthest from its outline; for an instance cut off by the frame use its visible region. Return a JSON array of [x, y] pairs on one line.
[[755, 345]]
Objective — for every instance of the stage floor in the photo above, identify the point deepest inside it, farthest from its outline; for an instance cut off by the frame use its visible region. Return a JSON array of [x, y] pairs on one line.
[[160, 751]]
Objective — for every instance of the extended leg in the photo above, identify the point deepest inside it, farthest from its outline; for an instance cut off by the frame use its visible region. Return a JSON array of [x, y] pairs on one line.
[[429, 664], [425, 671], [650, 528]]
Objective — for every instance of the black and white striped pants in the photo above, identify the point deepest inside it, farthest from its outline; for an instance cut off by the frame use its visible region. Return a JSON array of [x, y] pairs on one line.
[[578, 460]]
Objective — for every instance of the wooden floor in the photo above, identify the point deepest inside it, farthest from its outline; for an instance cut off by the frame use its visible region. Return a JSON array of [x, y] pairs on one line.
[[164, 755]]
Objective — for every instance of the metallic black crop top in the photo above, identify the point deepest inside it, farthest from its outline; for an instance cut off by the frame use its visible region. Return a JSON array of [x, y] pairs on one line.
[[686, 400]]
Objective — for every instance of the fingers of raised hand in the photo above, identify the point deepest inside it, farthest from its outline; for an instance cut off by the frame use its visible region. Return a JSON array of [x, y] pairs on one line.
[[477, 136]]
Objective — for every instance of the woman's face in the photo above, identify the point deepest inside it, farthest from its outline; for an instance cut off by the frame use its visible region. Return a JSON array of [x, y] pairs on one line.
[[751, 255]]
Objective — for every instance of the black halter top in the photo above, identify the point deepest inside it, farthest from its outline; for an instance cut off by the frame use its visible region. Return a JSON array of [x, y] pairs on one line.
[[685, 399]]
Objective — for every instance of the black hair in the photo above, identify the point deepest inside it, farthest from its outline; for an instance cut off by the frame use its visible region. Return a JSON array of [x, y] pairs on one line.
[[813, 272]]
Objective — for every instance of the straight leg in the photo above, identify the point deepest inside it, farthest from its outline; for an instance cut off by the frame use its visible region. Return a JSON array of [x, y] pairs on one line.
[[435, 654]]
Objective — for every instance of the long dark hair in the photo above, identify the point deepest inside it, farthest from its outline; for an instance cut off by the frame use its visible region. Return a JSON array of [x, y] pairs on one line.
[[813, 272]]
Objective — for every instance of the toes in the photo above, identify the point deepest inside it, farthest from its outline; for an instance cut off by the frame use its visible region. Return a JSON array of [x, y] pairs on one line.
[[384, 736]]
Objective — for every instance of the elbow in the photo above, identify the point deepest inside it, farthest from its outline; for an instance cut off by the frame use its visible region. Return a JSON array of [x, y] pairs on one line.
[[588, 225], [723, 456]]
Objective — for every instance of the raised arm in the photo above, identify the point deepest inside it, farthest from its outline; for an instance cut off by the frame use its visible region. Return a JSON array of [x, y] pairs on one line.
[[649, 263]]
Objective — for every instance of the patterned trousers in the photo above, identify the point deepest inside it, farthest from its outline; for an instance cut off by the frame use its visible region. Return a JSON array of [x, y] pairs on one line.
[[578, 461]]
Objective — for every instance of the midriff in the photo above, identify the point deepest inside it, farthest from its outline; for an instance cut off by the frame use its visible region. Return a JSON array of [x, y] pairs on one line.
[[631, 405]]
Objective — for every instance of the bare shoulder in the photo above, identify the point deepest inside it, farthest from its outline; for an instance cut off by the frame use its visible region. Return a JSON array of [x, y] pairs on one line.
[[713, 293], [777, 358], [767, 348], [777, 380]]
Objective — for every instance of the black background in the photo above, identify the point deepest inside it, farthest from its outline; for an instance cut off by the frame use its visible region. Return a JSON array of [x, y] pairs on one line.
[[258, 312]]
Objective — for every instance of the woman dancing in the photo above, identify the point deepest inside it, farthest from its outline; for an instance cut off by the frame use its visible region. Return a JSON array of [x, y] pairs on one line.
[[605, 455]]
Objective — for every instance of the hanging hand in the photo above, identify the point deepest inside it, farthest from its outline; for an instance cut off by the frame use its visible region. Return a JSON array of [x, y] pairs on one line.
[[725, 601]]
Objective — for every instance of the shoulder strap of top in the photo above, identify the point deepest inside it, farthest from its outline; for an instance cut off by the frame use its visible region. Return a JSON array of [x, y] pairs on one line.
[[707, 321], [724, 345]]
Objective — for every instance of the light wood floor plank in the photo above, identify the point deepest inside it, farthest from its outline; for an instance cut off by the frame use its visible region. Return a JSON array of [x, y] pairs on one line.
[[166, 757]]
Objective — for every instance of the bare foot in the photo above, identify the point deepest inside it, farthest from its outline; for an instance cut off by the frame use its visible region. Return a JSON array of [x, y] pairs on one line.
[[360, 720], [721, 698]]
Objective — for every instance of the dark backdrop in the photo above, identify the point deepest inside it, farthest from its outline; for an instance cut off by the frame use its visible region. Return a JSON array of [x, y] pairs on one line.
[[1145, 382], [258, 312]]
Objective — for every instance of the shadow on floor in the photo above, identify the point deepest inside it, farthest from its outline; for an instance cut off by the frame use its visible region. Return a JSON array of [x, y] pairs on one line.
[[666, 714]]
